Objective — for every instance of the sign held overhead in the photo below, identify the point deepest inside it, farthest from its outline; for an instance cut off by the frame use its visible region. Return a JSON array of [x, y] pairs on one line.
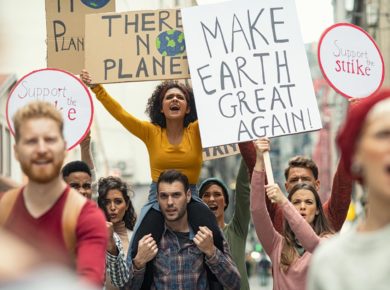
[[249, 71], [66, 92], [136, 46], [350, 61], [65, 31]]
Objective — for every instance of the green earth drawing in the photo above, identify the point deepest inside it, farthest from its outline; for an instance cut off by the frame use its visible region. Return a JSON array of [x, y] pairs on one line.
[[170, 43], [96, 4]]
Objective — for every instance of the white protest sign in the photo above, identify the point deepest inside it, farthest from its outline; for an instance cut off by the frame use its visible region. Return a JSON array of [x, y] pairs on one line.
[[65, 91], [249, 71], [350, 61], [205, 2]]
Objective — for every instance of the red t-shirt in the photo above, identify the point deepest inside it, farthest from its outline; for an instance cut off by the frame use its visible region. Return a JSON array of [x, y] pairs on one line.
[[45, 233]]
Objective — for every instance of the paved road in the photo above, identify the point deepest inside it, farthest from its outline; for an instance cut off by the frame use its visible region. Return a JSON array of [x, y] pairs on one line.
[[254, 283]]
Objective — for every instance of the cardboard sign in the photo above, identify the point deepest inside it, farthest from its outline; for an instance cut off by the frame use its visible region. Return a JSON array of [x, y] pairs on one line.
[[135, 46], [351, 61], [249, 71], [205, 2], [62, 89], [220, 151], [65, 31]]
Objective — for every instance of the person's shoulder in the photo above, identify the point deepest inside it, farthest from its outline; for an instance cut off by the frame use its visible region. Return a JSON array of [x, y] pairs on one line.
[[90, 207], [91, 222], [193, 125], [332, 246], [91, 211]]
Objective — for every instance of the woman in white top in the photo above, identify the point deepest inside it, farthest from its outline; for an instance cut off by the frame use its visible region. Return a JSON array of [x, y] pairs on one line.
[[114, 200]]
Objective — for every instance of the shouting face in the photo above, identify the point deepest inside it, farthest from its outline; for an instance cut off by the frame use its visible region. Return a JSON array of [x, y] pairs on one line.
[[215, 200], [175, 104]]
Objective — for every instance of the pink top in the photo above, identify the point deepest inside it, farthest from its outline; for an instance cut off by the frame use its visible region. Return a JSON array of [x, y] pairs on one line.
[[335, 208], [272, 241]]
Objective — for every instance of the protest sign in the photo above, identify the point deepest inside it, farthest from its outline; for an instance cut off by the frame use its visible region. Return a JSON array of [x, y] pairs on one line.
[[65, 31], [249, 71], [350, 61], [205, 2], [220, 151], [135, 46], [66, 92]]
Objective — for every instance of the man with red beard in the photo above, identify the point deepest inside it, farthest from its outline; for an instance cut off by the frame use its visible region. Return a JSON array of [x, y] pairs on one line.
[[46, 212]]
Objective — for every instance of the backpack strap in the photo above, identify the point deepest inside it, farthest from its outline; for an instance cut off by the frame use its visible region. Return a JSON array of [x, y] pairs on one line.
[[73, 205], [7, 203]]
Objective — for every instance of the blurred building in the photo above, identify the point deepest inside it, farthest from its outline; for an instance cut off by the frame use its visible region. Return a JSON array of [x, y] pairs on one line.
[[7, 81], [374, 17], [371, 15]]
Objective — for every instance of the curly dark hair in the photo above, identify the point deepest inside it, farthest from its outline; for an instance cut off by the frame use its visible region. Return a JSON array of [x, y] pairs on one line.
[[111, 182], [154, 106]]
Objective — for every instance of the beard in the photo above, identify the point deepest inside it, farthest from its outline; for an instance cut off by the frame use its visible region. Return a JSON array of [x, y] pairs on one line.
[[42, 175], [178, 216]]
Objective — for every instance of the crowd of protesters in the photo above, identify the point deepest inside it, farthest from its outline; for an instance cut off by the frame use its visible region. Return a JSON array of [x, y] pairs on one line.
[[180, 238]]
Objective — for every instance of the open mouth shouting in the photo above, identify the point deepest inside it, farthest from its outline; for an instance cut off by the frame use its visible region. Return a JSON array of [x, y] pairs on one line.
[[213, 207], [174, 107]]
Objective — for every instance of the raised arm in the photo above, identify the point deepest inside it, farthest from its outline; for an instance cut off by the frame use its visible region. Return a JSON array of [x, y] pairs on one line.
[[86, 154], [301, 228], [141, 129], [265, 231], [242, 216], [336, 207], [248, 152]]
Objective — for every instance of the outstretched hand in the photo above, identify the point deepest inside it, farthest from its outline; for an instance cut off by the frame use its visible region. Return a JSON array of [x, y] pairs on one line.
[[275, 194]]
